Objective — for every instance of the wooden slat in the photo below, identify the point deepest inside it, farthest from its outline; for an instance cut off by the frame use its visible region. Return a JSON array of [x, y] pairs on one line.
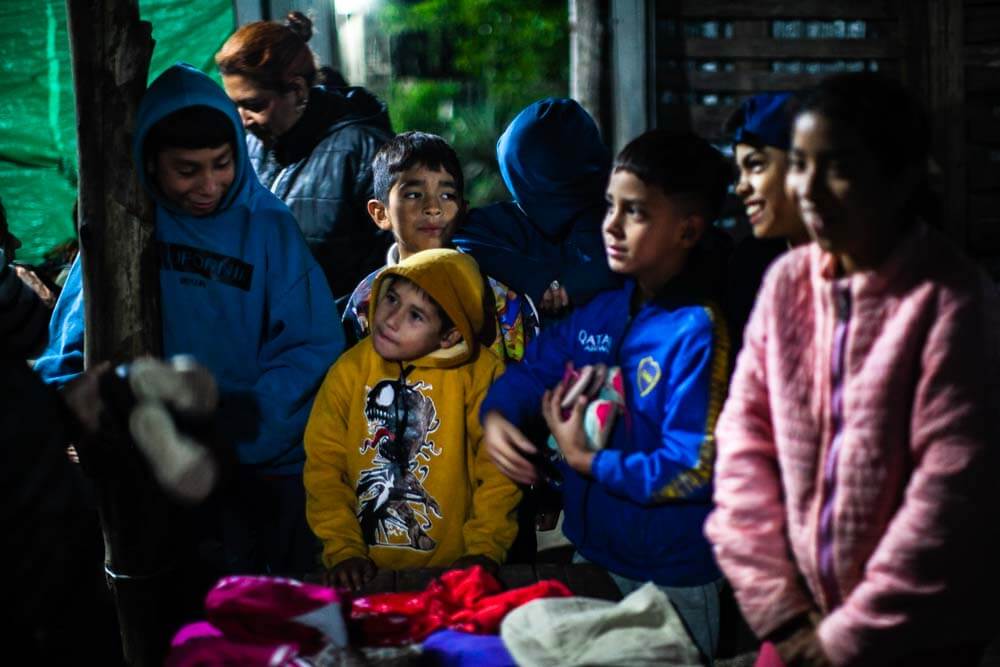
[[984, 234], [982, 24], [517, 575], [416, 580], [769, 48], [983, 55], [708, 121], [813, 9], [983, 120], [384, 582], [591, 581], [985, 207], [983, 169], [982, 79], [737, 82]]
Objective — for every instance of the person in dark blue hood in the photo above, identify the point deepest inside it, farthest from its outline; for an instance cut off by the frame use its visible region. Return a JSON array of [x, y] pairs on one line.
[[547, 242], [311, 145], [241, 293]]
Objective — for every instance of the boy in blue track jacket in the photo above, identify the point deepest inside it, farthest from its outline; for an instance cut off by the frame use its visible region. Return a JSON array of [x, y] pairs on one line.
[[637, 506], [240, 292]]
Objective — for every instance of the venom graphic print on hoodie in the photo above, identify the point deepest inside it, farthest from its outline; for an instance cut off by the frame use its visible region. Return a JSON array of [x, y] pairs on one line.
[[395, 466]]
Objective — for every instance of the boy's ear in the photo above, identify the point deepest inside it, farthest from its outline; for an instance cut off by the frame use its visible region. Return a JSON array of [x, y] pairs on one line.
[[451, 338], [694, 227], [379, 214]]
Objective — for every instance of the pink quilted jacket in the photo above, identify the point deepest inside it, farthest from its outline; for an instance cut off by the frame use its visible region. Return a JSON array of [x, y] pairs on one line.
[[852, 474]]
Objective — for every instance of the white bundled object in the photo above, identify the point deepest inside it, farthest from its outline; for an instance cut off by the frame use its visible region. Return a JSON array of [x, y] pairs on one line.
[[643, 629], [184, 467]]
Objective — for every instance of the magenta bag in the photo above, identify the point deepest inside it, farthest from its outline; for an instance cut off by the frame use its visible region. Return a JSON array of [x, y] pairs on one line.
[[270, 609], [266, 621]]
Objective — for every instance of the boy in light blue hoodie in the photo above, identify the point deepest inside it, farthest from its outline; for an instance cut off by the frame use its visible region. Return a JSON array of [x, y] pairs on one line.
[[240, 292]]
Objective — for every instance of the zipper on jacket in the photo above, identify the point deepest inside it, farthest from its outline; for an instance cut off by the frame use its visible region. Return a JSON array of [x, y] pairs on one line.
[[827, 574]]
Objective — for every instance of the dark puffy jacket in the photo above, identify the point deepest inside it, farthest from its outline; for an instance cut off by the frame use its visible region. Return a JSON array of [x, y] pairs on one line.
[[556, 168], [322, 168]]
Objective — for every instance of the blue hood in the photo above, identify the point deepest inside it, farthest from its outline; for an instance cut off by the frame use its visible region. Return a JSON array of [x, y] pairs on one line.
[[554, 163], [181, 86]]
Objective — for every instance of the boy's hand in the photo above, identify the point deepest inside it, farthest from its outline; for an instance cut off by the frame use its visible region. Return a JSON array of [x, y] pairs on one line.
[[568, 433], [554, 299], [352, 573], [488, 564], [509, 449]]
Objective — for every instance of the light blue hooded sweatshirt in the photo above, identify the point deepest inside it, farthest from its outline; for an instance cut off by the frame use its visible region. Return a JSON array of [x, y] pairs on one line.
[[240, 291]]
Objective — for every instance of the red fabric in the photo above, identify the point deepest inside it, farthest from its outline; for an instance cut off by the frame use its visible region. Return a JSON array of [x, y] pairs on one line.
[[768, 656], [465, 600]]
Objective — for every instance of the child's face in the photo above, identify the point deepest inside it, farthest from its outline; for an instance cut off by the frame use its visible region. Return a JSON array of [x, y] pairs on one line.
[[407, 325], [423, 210], [646, 235], [845, 201], [195, 179], [761, 186]]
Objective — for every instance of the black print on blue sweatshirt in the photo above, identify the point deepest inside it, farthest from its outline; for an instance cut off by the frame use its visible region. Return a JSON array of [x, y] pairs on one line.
[[394, 508], [213, 266]]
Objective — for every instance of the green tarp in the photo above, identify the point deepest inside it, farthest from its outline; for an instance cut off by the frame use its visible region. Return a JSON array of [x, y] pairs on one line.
[[37, 116]]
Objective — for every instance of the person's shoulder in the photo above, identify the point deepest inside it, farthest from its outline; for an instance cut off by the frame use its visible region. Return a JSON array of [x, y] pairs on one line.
[[353, 135]]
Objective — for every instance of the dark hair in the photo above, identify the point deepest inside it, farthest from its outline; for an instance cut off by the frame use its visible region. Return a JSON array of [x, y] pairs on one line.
[[888, 120], [270, 53], [683, 165], [446, 322], [331, 78], [407, 150], [191, 127]]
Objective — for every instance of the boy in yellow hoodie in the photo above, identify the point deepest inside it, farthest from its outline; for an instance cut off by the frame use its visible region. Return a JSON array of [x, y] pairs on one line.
[[396, 476]]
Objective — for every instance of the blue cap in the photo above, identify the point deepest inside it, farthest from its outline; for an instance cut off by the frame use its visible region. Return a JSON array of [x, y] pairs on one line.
[[763, 119]]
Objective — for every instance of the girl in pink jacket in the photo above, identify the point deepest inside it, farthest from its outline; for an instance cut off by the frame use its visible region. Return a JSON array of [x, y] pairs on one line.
[[854, 489]]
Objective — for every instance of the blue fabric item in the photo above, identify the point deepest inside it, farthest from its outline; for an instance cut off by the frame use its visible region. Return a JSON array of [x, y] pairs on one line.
[[448, 648], [641, 514], [556, 168], [62, 358], [765, 119], [239, 291]]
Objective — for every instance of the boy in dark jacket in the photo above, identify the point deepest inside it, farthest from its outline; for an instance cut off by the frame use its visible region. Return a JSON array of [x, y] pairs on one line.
[[546, 244], [637, 506]]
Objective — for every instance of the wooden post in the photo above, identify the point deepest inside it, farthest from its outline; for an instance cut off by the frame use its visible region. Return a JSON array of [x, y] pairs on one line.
[[934, 67], [111, 51], [631, 45], [586, 35]]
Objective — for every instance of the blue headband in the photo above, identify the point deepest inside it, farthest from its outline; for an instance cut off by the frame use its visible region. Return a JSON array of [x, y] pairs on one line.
[[765, 120]]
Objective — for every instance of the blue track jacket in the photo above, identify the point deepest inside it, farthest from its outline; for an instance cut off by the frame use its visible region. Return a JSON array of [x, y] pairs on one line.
[[641, 514], [240, 291]]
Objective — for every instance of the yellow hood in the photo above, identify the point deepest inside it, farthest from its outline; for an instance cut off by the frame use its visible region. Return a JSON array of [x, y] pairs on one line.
[[453, 280]]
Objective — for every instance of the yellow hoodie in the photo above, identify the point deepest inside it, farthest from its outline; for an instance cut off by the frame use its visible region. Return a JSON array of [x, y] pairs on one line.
[[437, 496]]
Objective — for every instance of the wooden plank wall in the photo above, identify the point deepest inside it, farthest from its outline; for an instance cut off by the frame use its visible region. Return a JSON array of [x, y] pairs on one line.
[[711, 54], [708, 55], [982, 125]]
